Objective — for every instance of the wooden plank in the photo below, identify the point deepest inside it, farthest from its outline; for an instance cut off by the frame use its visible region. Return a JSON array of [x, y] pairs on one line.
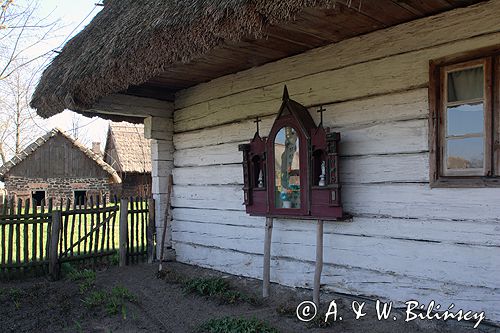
[[356, 251], [54, 240], [42, 232], [150, 230], [123, 232], [266, 274], [103, 235], [407, 105], [396, 200], [18, 232], [26, 257], [4, 249], [366, 169], [65, 226], [132, 246], [97, 231], [419, 34], [395, 287], [318, 263], [91, 236], [34, 234], [388, 75], [418, 230]]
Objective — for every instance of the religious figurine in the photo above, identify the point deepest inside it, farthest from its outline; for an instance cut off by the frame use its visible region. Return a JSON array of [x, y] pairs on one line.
[[323, 174], [260, 181]]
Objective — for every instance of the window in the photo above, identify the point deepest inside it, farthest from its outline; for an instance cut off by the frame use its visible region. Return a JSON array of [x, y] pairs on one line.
[[463, 97], [80, 197], [38, 197]]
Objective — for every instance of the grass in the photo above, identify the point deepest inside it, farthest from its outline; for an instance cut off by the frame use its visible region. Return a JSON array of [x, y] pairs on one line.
[[217, 288], [114, 301], [236, 325], [86, 279]]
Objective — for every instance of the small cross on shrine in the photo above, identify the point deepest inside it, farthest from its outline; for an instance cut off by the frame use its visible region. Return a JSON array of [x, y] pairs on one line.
[[257, 121], [320, 111]]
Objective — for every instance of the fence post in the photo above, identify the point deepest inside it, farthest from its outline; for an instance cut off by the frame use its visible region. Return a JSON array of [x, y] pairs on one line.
[[54, 242], [150, 230], [123, 231]]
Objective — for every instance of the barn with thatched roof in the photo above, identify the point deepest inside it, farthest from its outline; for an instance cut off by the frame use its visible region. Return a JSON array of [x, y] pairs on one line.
[[384, 97], [57, 167], [129, 153]]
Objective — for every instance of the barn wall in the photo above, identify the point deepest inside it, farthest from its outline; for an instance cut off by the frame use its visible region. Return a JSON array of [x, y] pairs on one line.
[[55, 188], [406, 240], [58, 158]]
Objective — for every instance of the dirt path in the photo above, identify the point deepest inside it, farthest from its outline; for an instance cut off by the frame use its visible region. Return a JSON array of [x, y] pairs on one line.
[[41, 306]]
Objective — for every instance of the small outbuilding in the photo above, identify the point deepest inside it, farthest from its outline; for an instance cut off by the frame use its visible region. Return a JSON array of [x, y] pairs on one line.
[[128, 152], [56, 167]]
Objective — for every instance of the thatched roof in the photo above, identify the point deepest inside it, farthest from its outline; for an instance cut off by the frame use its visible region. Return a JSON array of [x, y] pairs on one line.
[[133, 150], [25, 153], [131, 41]]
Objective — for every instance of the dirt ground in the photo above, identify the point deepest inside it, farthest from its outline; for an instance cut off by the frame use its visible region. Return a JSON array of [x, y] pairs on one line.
[[38, 305]]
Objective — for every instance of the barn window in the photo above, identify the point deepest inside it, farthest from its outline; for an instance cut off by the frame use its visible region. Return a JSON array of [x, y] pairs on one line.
[[38, 197], [464, 100], [80, 197]]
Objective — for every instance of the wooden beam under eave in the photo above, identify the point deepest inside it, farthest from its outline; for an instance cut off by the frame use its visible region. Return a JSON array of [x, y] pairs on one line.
[[127, 106]]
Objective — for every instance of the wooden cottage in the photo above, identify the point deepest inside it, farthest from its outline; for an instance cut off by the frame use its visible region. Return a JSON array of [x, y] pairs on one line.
[[129, 153], [57, 167], [390, 128]]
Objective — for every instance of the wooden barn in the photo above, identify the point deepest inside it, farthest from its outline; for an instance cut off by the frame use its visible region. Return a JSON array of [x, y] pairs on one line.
[[129, 153], [55, 166], [378, 171]]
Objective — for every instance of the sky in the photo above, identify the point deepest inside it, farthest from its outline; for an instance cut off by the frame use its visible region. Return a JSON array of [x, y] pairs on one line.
[[72, 13]]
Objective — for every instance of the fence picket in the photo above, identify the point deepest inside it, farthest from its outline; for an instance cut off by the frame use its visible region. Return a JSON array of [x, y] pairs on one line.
[[4, 213], [25, 229], [97, 223], [28, 240], [91, 238], [18, 232]]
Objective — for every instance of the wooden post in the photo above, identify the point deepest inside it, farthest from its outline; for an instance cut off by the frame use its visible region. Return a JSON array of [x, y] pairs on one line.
[[123, 231], [266, 275], [150, 230], [319, 262], [165, 223], [54, 242]]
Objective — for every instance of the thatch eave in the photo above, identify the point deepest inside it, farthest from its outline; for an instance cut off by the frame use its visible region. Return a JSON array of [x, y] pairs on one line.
[[129, 42]]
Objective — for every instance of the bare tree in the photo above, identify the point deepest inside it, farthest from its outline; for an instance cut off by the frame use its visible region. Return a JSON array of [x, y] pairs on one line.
[[23, 35], [18, 123]]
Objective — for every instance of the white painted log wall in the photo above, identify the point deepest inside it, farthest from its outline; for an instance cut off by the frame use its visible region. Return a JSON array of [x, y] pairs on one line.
[[406, 241]]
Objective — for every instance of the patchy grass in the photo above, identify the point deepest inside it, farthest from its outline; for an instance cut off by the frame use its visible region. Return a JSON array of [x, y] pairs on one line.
[[113, 301], [236, 325], [216, 288], [15, 296], [85, 277]]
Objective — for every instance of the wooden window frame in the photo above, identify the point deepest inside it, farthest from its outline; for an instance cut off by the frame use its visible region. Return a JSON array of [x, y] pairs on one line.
[[490, 59]]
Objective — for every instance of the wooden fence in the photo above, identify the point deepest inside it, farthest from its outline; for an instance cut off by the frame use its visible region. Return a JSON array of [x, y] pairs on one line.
[[40, 238]]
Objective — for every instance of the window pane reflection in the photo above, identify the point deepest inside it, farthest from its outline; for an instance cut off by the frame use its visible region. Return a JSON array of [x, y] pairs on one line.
[[465, 119], [287, 169], [465, 153]]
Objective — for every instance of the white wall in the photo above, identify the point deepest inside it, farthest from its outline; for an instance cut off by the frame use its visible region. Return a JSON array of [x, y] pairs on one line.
[[406, 241]]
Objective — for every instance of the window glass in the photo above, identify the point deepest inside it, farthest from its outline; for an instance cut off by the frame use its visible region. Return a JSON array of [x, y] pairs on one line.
[[465, 120], [287, 168], [465, 84], [465, 153]]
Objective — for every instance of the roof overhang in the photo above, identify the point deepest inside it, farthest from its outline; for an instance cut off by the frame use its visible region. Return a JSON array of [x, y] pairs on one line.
[[152, 50]]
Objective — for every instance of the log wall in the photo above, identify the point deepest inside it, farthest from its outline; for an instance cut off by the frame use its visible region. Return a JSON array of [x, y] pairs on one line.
[[406, 240]]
